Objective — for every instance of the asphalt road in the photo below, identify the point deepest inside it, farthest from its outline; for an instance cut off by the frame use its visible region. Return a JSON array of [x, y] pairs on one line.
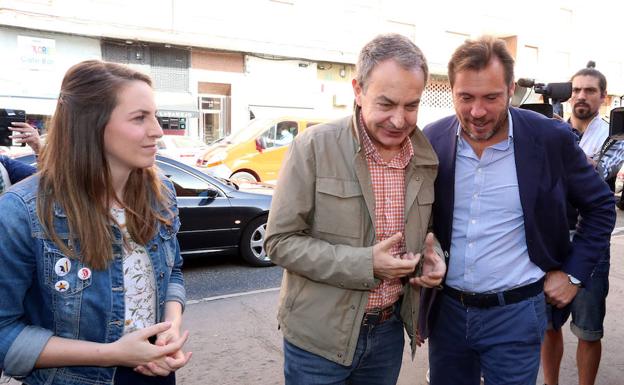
[[211, 276]]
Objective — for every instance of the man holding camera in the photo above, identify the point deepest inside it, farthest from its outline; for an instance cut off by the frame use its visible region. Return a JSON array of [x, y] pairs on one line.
[[589, 89]]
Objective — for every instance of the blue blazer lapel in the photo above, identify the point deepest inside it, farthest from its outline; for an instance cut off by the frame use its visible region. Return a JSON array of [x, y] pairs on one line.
[[445, 186], [529, 155]]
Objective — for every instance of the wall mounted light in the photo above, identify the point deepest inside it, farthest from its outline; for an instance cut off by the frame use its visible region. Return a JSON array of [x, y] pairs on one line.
[[343, 72]]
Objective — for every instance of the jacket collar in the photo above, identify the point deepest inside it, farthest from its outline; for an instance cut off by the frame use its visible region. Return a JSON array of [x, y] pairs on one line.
[[423, 152]]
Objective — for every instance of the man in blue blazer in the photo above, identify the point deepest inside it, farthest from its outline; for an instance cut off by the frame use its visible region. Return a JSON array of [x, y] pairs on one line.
[[504, 178]]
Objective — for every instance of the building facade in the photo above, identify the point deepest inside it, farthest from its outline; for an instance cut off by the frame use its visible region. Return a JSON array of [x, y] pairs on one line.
[[216, 65]]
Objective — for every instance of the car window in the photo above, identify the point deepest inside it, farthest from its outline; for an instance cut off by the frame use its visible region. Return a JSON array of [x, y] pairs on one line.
[[268, 137], [186, 184], [248, 132], [281, 134]]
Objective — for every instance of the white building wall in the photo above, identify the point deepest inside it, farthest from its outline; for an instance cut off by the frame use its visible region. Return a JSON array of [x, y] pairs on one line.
[[239, 101], [33, 65]]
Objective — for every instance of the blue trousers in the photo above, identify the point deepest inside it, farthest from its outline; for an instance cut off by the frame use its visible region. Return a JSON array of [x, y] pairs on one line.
[[377, 360], [502, 342]]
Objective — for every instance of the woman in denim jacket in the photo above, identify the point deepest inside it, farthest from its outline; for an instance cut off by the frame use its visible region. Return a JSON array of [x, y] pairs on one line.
[[91, 290]]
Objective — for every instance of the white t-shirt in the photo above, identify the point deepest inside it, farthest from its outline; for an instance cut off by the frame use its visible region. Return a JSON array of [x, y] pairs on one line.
[[594, 136]]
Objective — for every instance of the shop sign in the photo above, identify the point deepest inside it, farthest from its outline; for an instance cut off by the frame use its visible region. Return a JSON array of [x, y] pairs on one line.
[[177, 114], [36, 53]]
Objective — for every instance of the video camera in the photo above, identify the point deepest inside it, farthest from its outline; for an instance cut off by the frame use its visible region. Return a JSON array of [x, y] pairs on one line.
[[616, 123], [557, 92], [6, 118]]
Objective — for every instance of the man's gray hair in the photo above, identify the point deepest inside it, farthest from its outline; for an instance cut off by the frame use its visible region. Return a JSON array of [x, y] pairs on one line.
[[389, 46]]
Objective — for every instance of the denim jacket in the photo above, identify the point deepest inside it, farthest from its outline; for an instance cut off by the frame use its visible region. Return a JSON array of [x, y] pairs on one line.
[[32, 310]]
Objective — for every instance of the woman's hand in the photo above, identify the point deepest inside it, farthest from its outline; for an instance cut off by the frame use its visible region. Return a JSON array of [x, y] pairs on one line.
[[25, 133], [175, 360], [135, 350]]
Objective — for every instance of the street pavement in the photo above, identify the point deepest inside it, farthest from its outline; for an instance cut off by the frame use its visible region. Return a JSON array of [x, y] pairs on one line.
[[235, 341]]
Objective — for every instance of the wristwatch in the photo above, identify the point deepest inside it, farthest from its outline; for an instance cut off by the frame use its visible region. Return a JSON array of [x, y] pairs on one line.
[[574, 281]]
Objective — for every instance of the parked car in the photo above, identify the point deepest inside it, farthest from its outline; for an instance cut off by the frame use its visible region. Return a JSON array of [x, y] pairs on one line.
[[216, 216], [255, 153], [181, 148]]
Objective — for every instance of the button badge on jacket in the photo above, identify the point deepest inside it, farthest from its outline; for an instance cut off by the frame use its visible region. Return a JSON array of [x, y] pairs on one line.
[[62, 267], [84, 273], [61, 286]]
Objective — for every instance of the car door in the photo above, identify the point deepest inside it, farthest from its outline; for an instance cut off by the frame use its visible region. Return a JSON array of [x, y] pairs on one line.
[[205, 213]]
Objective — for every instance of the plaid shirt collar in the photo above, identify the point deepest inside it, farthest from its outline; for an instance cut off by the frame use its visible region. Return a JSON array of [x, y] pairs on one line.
[[401, 160]]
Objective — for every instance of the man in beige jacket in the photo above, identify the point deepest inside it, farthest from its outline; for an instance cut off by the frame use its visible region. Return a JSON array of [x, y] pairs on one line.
[[349, 224]]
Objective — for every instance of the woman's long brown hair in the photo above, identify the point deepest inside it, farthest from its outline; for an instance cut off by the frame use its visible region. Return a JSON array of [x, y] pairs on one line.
[[75, 175]]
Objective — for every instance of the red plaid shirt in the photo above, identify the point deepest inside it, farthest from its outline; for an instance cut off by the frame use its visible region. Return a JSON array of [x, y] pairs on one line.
[[388, 179]]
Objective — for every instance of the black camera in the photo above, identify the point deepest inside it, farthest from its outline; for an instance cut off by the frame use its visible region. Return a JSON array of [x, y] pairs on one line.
[[557, 92], [6, 118], [616, 123]]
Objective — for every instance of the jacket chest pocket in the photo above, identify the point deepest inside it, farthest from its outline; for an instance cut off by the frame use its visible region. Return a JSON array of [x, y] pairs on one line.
[[338, 208], [66, 279], [64, 276]]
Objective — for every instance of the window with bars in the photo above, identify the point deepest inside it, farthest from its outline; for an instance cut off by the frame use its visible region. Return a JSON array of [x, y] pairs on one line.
[[437, 93], [125, 53], [168, 67]]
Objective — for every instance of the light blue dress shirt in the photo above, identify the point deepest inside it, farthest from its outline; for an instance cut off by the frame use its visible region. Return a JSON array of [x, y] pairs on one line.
[[488, 246]]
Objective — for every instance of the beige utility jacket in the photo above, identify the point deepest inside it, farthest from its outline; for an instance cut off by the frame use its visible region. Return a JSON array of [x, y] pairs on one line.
[[321, 230]]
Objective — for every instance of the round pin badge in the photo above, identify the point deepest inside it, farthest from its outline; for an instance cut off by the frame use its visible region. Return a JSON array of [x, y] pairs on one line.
[[61, 286], [84, 273], [62, 267]]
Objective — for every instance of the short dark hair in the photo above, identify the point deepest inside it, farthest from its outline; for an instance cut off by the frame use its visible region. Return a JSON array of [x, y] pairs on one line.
[[602, 80], [477, 54], [389, 46]]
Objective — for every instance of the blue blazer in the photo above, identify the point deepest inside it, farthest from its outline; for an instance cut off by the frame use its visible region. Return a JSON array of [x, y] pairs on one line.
[[551, 170]]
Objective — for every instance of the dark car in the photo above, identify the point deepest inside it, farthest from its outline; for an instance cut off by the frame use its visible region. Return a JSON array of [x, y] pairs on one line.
[[216, 216]]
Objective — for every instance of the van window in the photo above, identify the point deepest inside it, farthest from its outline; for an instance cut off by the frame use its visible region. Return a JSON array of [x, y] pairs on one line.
[[248, 132], [280, 134]]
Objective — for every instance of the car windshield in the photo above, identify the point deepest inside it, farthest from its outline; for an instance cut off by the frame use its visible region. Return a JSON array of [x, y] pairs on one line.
[[248, 132]]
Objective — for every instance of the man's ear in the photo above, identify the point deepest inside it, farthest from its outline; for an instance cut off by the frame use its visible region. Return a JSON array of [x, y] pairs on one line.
[[512, 89], [357, 91]]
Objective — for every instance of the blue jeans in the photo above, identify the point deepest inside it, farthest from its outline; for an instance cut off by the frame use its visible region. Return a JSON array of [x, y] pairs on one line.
[[377, 360], [502, 342]]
